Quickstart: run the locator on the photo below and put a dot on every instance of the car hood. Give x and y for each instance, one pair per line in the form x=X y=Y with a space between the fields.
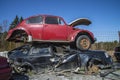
x=80 y=21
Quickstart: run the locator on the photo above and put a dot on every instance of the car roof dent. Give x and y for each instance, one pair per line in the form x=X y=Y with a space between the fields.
x=80 y=21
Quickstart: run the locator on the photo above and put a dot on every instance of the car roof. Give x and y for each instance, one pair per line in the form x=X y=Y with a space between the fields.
x=42 y=15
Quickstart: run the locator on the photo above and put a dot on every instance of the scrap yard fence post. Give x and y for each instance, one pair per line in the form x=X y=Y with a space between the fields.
x=119 y=36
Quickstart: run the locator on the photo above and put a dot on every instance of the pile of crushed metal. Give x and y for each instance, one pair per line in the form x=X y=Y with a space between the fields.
x=34 y=62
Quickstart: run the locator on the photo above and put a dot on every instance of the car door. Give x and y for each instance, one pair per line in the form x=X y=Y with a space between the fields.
x=35 y=27
x=39 y=56
x=54 y=29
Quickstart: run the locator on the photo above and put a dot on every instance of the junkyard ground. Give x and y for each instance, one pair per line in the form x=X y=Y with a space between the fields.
x=68 y=76
x=45 y=74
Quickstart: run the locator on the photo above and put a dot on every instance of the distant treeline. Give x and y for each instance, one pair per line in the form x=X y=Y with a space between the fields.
x=108 y=46
x=4 y=27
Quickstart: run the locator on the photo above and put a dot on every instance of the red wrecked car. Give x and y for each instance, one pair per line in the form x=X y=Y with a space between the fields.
x=5 y=70
x=48 y=28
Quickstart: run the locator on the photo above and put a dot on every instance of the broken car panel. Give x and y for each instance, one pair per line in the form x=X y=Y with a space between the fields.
x=88 y=59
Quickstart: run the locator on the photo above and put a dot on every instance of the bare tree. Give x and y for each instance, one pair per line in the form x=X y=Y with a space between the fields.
x=5 y=25
x=3 y=33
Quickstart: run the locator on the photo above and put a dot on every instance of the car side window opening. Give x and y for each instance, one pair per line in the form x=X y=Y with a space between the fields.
x=60 y=21
x=53 y=20
x=37 y=19
x=44 y=51
x=38 y=51
x=34 y=51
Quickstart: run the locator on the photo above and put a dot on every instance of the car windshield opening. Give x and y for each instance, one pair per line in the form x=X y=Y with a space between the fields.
x=37 y=19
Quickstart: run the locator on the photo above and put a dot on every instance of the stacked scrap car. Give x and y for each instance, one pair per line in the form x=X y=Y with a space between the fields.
x=28 y=57
x=32 y=57
x=50 y=32
x=52 y=29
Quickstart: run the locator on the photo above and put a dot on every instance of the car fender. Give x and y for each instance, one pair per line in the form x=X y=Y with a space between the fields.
x=72 y=37
x=10 y=33
x=86 y=59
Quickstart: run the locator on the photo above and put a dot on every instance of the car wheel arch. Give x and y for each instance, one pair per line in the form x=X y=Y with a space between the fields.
x=83 y=33
x=18 y=32
x=83 y=41
x=76 y=35
x=27 y=64
x=21 y=30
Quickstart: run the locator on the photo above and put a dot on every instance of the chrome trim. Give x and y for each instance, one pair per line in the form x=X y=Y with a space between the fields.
x=29 y=38
x=52 y=41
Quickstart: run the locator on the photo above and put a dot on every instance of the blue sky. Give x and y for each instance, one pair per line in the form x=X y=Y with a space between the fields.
x=104 y=14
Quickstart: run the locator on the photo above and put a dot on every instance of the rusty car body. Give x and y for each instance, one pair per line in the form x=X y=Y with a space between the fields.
x=53 y=29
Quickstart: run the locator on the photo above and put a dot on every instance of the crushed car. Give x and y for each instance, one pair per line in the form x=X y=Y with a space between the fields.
x=52 y=29
x=32 y=57
x=92 y=61
x=27 y=58
x=5 y=69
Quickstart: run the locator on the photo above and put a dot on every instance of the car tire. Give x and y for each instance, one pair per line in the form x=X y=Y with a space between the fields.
x=83 y=43
x=24 y=39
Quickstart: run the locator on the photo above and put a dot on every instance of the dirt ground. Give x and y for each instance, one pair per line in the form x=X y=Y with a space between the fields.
x=68 y=76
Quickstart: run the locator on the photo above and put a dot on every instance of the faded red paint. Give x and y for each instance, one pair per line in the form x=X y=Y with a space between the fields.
x=52 y=32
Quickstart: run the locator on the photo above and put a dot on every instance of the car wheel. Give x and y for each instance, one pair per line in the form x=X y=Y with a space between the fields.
x=24 y=39
x=83 y=42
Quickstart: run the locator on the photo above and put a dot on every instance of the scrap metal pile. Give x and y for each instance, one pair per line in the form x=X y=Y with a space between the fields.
x=55 y=46
x=34 y=57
